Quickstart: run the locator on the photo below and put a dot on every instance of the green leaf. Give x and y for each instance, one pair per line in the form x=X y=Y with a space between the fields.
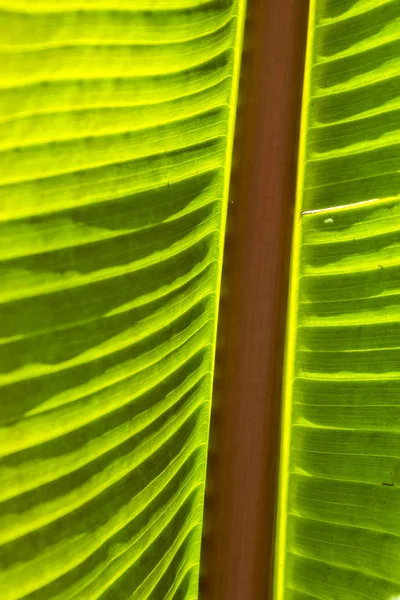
x=339 y=517
x=116 y=129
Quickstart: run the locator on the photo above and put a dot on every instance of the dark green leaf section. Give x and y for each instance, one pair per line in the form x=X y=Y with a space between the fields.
x=115 y=139
x=342 y=507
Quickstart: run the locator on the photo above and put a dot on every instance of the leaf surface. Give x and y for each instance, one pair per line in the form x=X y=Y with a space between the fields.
x=116 y=128
x=339 y=522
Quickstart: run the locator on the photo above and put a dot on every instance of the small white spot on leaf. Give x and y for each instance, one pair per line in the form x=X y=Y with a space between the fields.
x=328 y=221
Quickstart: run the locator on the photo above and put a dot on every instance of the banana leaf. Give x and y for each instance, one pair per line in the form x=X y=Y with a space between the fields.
x=116 y=129
x=339 y=506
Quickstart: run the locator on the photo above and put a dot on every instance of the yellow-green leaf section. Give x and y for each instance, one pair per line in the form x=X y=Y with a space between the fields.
x=339 y=505
x=116 y=129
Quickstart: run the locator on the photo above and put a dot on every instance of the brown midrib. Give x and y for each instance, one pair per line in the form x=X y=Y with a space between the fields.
x=238 y=543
